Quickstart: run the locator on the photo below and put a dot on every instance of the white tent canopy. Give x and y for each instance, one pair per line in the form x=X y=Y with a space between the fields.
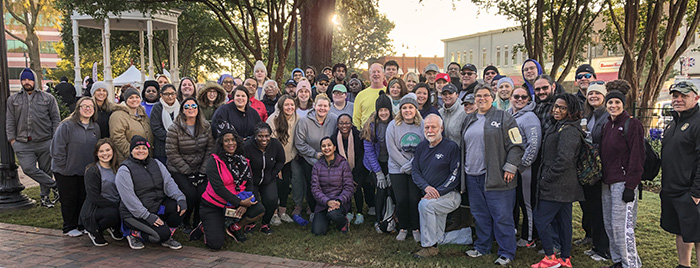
x=130 y=76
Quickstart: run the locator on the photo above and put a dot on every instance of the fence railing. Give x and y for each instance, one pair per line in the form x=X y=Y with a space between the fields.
x=654 y=119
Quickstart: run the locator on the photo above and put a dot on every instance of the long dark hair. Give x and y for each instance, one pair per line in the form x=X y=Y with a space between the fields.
x=199 y=121
x=281 y=124
x=219 y=147
x=112 y=162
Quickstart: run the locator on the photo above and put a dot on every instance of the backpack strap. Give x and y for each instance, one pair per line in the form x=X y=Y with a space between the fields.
x=625 y=128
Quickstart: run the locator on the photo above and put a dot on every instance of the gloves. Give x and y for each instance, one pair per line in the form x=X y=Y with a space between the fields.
x=197 y=178
x=628 y=195
x=381 y=180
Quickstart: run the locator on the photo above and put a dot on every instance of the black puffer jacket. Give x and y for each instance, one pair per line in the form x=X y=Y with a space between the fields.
x=557 y=179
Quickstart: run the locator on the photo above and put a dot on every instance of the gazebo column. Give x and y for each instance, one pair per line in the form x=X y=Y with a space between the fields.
x=76 y=56
x=107 y=59
x=174 y=64
x=149 y=26
x=143 y=57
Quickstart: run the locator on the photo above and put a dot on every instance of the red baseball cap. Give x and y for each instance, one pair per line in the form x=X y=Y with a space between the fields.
x=443 y=76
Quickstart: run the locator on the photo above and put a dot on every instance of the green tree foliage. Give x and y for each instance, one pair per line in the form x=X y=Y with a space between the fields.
x=362 y=33
x=201 y=43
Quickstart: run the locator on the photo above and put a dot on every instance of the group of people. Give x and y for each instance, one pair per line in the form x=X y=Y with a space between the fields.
x=446 y=148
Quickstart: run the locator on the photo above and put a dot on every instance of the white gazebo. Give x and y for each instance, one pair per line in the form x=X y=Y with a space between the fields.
x=129 y=21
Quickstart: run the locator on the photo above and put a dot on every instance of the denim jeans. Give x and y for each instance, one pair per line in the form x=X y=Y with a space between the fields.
x=493 y=213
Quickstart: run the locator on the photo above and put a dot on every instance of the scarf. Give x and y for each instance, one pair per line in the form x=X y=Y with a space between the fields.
x=169 y=113
x=351 y=149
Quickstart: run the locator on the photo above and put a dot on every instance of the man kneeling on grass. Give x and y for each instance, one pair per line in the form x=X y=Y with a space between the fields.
x=435 y=169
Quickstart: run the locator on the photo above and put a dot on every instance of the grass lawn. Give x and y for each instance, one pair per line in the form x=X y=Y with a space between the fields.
x=364 y=247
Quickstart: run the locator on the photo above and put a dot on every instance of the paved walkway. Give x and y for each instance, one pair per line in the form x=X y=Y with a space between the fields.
x=25 y=246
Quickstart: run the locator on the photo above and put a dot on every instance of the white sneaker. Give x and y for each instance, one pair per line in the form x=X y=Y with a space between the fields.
x=349 y=216
x=473 y=253
x=371 y=211
x=376 y=227
x=286 y=218
x=74 y=233
x=402 y=235
x=503 y=261
x=416 y=235
x=276 y=221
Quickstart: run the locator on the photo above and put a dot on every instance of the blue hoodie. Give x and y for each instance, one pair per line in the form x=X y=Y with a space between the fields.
x=298 y=70
x=539 y=72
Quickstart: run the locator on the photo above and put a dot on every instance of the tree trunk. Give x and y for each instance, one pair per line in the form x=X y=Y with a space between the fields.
x=316 y=33
x=34 y=55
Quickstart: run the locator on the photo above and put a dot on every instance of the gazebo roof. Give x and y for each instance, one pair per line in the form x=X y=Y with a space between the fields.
x=131 y=20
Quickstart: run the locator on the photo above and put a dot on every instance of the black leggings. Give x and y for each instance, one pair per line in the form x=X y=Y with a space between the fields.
x=213 y=222
x=283 y=189
x=592 y=217
x=157 y=234
x=72 y=195
x=107 y=217
x=267 y=195
x=308 y=168
x=407 y=197
x=193 y=194
x=321 y=220
x=364 y=187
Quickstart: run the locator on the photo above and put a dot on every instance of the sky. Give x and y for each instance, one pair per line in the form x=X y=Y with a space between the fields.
x=421 y=26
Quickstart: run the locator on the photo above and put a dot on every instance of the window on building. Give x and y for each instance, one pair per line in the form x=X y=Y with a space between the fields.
x=506 y=55
x=459 y=57
x=452 y=56
x=47 y=47
x=498 y=56
x=515 y=55
x=483 y=57
x=464 y=55
x=16 y=46
x=471 y=56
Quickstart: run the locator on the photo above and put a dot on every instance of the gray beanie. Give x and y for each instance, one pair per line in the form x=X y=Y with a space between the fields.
x=410 y=98
x=96 y=85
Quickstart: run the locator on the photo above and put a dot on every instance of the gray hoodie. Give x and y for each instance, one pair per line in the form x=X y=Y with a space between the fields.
x=529 y=124
x=401 y=143
x=31 y=117
x=309 y=132
x=452 y=120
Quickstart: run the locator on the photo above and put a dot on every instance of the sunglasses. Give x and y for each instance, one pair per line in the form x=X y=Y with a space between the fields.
x=597 y=83
x=490 y=73
x=541 y=88
x=189 y=106
x=468 y=73
x=587 y=76
x=520 y=97
x=324 y=84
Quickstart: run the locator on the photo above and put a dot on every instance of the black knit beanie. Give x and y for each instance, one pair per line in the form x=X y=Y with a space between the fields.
x=615 y=94
x=383 y=101
x=137 y=140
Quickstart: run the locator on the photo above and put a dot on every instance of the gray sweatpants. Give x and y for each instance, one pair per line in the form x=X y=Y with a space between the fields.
x=620 y=218
x=298 y=183
x=29 y=154
x=433 y=214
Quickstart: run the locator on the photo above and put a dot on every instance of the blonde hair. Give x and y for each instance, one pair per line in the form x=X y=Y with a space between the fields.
x=322 y=96
x=416 y=121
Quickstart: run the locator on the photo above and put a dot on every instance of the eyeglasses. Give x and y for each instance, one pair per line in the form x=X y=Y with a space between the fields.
x=228 y=82
x=521 y=97
x=167 y=94
x=587 y=76
x=85 y=106
x=482 y=96
x=468 y=73
x=338 y=93
x=541 y=88
x=189 y=106
x=490 y=73
x=560 y=108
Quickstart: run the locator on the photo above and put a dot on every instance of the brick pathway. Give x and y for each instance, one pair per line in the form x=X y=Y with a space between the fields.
x=25 y=246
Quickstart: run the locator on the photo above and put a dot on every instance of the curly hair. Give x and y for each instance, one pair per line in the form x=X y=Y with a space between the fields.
x=574 y=111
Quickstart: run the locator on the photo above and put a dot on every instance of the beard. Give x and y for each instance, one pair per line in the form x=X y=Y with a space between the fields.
x=28 y=87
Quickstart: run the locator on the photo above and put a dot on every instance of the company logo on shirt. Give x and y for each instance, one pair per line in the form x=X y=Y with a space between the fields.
x=439 y=156
x=685 y=126
x=409 y=142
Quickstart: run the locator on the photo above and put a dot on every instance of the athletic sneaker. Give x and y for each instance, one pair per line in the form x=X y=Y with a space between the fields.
x=584 y=241
x=371 y=211
x=186 y=229
x=172 y=244
x=522 y=243
x=402 y=235
x=503 y=261
x=237 y=235
x=547 y=262
x=599 y=257
x=473 y=253
x=197 y=232
x=74 y=233
x=565 y=263
x=376 y=228
x=311 y=217
x=250 y=228
x=556 y=251
x=265 y=229
x=97 y=239
x=276 y=221
x=345 y=228
x=56 y=195
x=349 y=216
x=46 y=202
x=285 y=218
x=299 y=220
x=134 y=242
x=589 y=252
x=359 y=219
x=116 y=234
x=416 y=235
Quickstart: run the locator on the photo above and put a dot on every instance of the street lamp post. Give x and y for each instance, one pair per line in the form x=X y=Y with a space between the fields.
x=11 y=196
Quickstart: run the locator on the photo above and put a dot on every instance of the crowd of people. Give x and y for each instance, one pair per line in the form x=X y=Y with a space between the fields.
x=423 y=155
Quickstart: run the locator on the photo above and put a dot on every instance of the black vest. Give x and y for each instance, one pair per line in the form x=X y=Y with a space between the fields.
x=148 y=185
